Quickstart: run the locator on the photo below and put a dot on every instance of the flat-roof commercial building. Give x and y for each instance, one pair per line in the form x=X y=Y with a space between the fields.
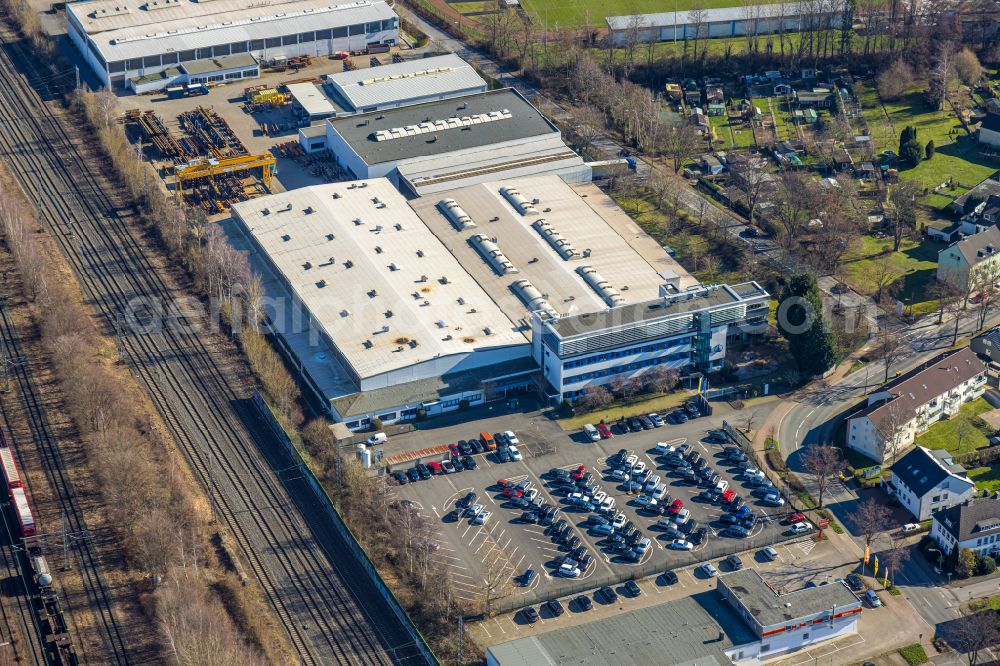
x=682 y=328
x=404 y=83
x=442 y=145
x=367 y=299
x=726 y=22
x=692 y=630
x=789 y=621
x=122 y=39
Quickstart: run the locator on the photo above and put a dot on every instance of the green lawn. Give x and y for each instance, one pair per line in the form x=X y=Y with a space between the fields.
x=992 y=603
x=945 y=434
x=915 y=263
x=469 y=7
x=577 y=13
x=617 y=410
x=726 y=135
x=986 y=478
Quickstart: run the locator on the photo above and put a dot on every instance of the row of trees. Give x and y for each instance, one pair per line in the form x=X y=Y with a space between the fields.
x=146 y=494
x=657 y=379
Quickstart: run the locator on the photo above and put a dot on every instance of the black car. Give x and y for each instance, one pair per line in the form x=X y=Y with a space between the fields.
x=678 y=417
x=573 y=542
x=469 y=462
x=716 y=437
x=737 y=531
x=729 y=519
x=609 y=595
x=584 y=602
x=596 y=519
x=634 y=424
x=731 y=451
x=468 y=500
x=692 y=409
x=558 y=473
x=673 y=460
x=734 y=562
x=529 y=517
x=706 y=495
x=620 y=548
x=477 y=446
x=530 y=615
x=646 y=422
x=504 y=455
x=693 y=457
x=620 y=428
x=555 y=607
x=691 y=525
x=557 y=526
x=585 y=561
x=855 y=583
x=714 y=479
x=669 y=577
x=413 y=473
x=464 y=447
x=578 y=553
x=617 y=458
x=672 y=532
x=424 y=470
x=401 y=478
x=612 y=539
x=698 y=536
x=632 y=588
x=736 y=503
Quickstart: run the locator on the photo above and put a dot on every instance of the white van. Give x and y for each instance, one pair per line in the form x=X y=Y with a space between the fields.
x=722 y=486
x=377 y=438
x=591 y=433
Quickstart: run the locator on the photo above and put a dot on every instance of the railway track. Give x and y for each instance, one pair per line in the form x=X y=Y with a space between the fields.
x=323 y=597
x=99 y=598
x=17 y=616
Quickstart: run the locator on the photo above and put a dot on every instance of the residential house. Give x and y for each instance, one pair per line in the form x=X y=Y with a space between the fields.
x=977 y=194
x=714 y=95
x=972 y=261
x=926 y=482
x=673 y=91
x=987 y=344
x=973 y=524
x=712 y=165
x=990 y=210
x=897 y=413
x=989 y=130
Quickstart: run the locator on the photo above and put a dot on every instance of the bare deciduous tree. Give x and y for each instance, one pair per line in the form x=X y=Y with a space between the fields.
x=870 y=519
x=889 y=347
x=823 y=463
x=976 y=633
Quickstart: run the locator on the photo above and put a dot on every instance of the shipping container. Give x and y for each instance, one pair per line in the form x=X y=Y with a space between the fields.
x=10 y=473
x=23 y=512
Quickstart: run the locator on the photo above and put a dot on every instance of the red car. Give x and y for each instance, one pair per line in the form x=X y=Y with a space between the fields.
x=794 y=518
x=435 y=467
x=453 y=447
x=604 y=431
x=675 y=506
x=511 y=491
x=728 y=496
x=579 y=472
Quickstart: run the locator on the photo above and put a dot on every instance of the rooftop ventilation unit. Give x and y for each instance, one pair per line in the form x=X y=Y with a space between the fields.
x=600 y=285
x=492 y=254
x=432 y=126
x=153 y=5
x=555 y=239
x=533 y=298
x=406 y=75
x=518 y=201
x=456 y=214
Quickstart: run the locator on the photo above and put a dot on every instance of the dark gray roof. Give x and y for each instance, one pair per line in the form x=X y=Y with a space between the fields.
x=770 y=608
x=982 y=191
x=972 y=519
x=921 y=470
x=525 y=121
x=684 y=631
x=991 y=122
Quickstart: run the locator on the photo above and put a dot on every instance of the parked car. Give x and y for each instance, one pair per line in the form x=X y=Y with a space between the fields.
x=504 y=455
x=872 y=599
x=707 y=569
x=567 y=570
x=435 y=468
x=414 y=474
x=555 y=607
x=482 y=517
x=646 y=422
x=578 y=472
x=698 y=536
x=530 y=614
x=646 y=502
x=793 y=518
x=604 y=431
x=609 y=595
x=675 y=507
x=801 y=528
x=651 y=483
x=468 y=500
x=401 y=477
x=591 y=433
x=734 y=562
x=681 y=544
x=632 y=588
x=854 y=582
x=656 y=419
x=669 y=577
x=515 y=454
x=737 y=531
x=620 y=475
x=716 y=437
x=528 y=576
x=509 y=437
x=584 y=602
x=678 y=416
x=769 y=553
x=773 y=499
x=473 y=510
x=634 y=424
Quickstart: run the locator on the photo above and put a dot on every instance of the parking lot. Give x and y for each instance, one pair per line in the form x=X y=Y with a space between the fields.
x=491 y=559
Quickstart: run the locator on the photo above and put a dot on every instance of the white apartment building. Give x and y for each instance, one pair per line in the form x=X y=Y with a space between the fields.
x=896 y=414
x=973 y=524
x=926 y=482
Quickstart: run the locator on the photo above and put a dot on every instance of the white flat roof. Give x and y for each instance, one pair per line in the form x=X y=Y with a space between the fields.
x=583 y=215
x=724 y=15
x=134 y=28
x=311 y=99
x=440 y=76
x=373 y=276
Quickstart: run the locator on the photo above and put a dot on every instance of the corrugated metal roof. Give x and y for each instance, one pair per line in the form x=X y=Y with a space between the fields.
x=725 y=14
x=220 y=64
x=398 y=82
x=189 y=25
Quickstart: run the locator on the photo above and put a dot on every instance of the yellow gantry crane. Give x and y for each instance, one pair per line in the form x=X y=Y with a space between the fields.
x=211 y=167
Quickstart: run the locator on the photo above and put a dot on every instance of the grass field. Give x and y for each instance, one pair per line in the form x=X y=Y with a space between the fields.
x=986 y=478
x=577 y=13
x=916 y=264
x=470 y=7
x=945 y=434
x=611 y=413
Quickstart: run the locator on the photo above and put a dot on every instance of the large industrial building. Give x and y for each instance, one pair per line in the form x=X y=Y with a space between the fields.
x=442 y=145
x=390 y=308
x=748 y=19
x=125 y=39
